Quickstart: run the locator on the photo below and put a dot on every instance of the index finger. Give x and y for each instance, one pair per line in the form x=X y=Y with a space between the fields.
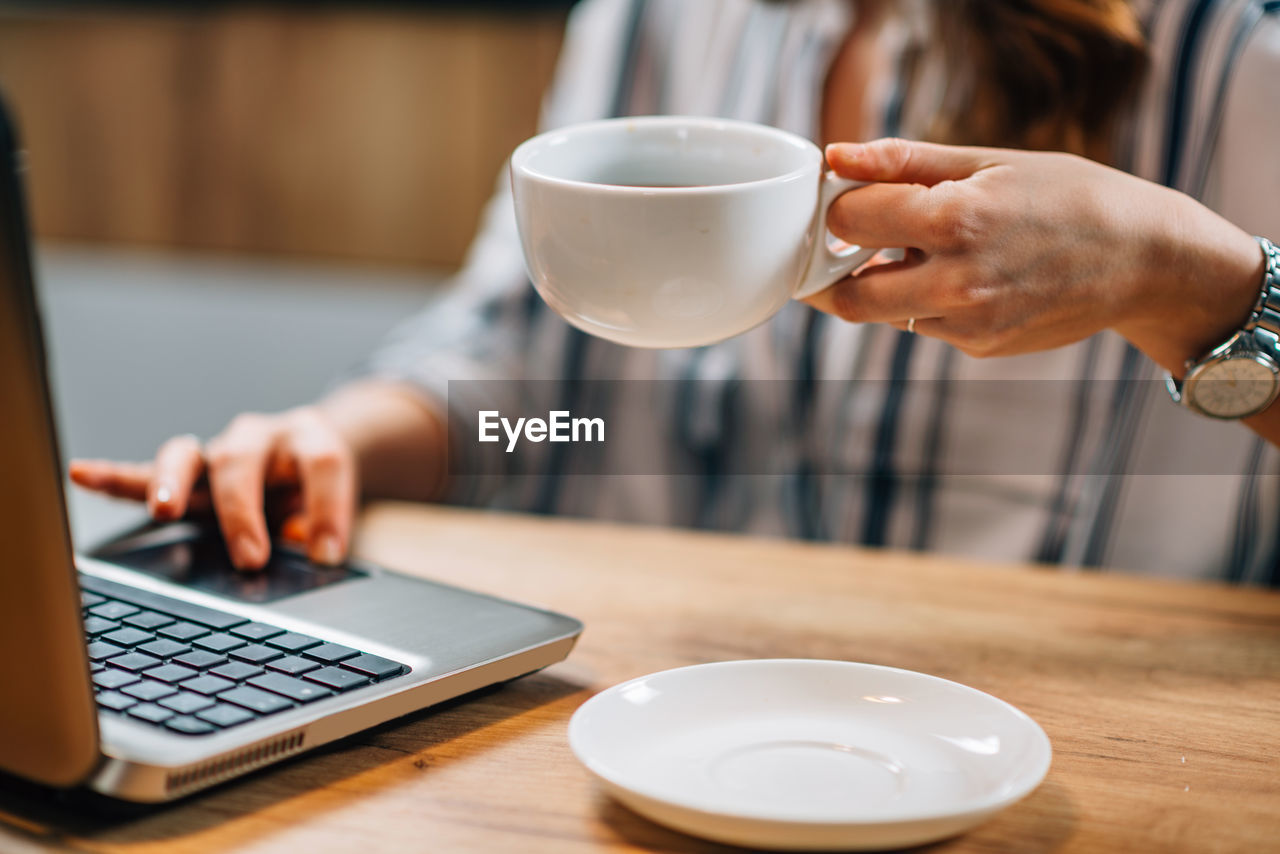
x=119 y=480
x=902 y=161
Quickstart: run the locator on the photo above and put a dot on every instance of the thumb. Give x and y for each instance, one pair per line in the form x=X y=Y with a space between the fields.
x=901 y=161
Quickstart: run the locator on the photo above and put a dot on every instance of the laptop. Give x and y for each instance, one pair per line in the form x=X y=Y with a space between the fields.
x=152 y=669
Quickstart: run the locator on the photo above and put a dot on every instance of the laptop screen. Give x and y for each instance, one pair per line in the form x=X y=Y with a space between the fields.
x=48 y=723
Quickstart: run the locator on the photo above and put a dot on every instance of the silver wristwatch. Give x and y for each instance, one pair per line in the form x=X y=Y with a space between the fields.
x=1241 y=376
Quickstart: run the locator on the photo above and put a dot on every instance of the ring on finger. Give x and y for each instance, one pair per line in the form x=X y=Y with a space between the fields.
x=911 y=325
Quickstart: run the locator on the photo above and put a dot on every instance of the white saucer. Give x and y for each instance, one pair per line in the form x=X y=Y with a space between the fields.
x=809 y=755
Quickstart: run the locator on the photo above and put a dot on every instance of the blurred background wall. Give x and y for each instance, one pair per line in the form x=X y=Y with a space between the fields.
x=357 y=130
x=234 y=202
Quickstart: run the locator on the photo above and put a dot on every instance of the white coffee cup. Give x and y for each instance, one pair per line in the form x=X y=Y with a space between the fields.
x=675 y=231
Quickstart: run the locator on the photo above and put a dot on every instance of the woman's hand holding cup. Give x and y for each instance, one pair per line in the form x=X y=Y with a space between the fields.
x=1014 y=251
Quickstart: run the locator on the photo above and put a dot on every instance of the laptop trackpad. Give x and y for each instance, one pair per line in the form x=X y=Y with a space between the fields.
x=195 y=556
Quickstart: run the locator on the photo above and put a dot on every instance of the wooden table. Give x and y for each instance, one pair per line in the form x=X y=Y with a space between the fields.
x=1162 y=699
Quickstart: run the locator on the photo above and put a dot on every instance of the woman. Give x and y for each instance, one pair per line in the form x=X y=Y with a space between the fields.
x=1082 y=278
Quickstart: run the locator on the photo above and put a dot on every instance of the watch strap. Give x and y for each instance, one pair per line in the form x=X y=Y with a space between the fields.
x=1264 y=321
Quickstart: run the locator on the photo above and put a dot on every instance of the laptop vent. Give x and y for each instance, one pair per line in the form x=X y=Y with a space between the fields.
x=208 y=773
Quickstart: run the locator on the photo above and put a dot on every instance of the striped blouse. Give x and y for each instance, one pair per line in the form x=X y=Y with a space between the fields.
x=811 y=427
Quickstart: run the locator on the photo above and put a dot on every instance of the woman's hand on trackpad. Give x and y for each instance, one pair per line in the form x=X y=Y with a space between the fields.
x=294 y=464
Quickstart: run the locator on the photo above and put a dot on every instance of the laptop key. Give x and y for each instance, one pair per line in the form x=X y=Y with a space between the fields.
x=188 y=725
x=294 y=689
x=171 y=673
x=330 y=652
x=293 y=665
x=96 y=666
x=373 y=666
x=99 y=650
x=337 y=678
x=256 y=700
x=255 y=653
x=148 y=620
x=111 y=679
x=150 y=690
x=133 y=661
x=237 y=670
x=99 y=625
x=182 y=631
x=224 y=715
x=220 y=642
x=293 y=641
x=164 y=648
x=150 y=712
x=115 y=701
x=128 y=637
x=200 y=659
x=256 y=631
x=207 y=684
x=156 y=602
x=113 y=610
x=88 y=600
x=186 y=702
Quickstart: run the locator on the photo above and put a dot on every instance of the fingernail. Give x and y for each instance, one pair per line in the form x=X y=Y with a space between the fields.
x=327 y=550
x=847 y=153
x=164 y=494
x=161 y=503
x=244 y=552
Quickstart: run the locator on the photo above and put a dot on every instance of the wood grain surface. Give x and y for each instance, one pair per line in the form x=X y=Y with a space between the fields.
x=1162 y=699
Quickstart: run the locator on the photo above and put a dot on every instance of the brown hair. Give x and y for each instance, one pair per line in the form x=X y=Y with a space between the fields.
x=1037 y=74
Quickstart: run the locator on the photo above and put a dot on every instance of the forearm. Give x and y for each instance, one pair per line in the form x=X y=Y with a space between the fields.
x=400 y=441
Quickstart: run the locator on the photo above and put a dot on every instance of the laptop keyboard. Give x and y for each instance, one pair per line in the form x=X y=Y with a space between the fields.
x=195 y=670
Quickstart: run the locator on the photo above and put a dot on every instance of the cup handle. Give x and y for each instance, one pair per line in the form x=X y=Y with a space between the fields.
x=827 y=267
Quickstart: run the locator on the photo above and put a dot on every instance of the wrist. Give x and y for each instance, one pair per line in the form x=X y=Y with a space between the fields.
x=1200 y=279
x=399 y=442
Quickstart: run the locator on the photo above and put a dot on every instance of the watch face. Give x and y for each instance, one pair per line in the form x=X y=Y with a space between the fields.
x=1234 y=387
